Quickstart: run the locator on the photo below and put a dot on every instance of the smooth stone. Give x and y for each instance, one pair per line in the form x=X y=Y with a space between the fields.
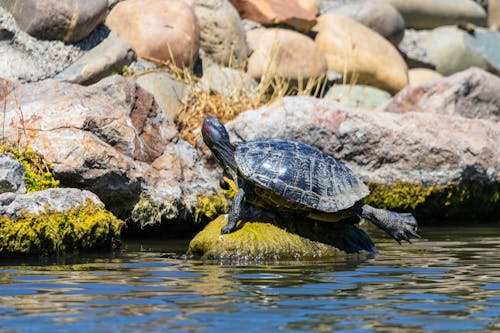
x=494 y=14
x=110 y=56
x=222 y=35
x=429 y=14
x=166 y=89
x=378 y=15
x=284 y=53
x=472 y=93
x=353 y=49
x=418 y=76
x=226 y=81
x=358 y=96
x=159 y=30
x=11 y=175
x=64 y=20
x=274 y=12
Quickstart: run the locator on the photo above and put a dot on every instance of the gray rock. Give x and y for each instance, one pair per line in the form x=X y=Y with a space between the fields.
x=222 y=36
x=167 y=91
x=25 y=59
x=472 y=93
x=109 y=56
x=383 y=147
x=54 y=199
x=378 y=15
x=11 y=175
x=64 y=20
x=450 y=49
x=358 y=96
x=226 y=81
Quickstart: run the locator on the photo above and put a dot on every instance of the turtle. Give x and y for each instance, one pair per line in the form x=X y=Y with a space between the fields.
x=290 y=176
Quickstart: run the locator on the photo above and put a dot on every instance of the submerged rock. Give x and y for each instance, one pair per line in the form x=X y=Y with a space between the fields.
x=267 y=241
x=56 y=221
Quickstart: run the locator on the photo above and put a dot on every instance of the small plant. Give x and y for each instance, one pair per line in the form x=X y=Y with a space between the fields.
x=38 y=172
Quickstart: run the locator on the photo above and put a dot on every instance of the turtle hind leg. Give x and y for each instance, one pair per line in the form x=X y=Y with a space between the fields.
x=400 y=226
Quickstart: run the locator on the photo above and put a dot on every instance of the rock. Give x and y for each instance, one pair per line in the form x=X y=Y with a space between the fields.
x=452 y=50
x=352 y=48
x=417 y=76
x=159 y=30
x=266 y=241
x=378 y=15
x=55 y=221
x=284 y=53
x=68 y=21
x=226 y=81
x=494 y=14
x=472 y=93
x=25 y=59
x=438 y=166
x=429 y=14
x=312 y=6
x=167 y=91
x=358 y=96
x=112 y=139
x=109 y=56
x=222 y=34
x=273 y=12
x=11 y=175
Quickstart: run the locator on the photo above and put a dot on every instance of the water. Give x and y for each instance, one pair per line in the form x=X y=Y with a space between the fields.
x=448 y=281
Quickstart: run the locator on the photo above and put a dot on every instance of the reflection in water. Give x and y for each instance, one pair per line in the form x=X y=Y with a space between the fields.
x=449 y=281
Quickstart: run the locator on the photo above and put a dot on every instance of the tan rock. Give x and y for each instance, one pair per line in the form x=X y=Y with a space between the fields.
x=271 y=12
x=312 y=6
x=159 y=31
x=284 y=53
x=428 y=14
x=364 y=55
x=494 y=14
x=417 y=76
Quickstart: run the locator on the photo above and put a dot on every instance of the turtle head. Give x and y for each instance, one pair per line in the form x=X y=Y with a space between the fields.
x=216 y=138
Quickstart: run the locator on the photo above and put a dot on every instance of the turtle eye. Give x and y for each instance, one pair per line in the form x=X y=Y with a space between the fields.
x=223 y=184
x=206 y=129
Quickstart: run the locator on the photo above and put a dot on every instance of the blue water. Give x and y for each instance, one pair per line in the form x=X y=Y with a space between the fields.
x=449 y=281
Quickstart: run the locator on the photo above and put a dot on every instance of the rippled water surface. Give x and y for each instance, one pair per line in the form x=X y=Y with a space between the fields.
x=447 y=281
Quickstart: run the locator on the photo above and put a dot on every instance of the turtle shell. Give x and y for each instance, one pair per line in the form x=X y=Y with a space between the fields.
x=300 y=174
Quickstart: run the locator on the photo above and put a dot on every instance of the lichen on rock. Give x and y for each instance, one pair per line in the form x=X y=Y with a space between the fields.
x=82 y=228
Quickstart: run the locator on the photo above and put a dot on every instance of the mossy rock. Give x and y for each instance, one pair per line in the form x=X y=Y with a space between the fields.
x=256 y=241
x=464 y=201
x=83 y=228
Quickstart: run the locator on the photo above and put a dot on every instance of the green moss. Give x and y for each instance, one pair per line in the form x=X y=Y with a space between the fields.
x=255 y=241
x=148 y=212
x=457 y=200
x=38 y=175
x=209 y=207
x=79 y=229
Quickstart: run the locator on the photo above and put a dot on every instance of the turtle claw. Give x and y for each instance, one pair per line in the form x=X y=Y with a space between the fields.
x=226 y=229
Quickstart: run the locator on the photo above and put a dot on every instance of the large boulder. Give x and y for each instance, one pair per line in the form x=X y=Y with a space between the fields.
x=312 y=6
x=428 y=14
x=11 y=175
x=68 y=20
x=222 y=34
x=159 y=30
x=436 y=165
x=378 y=15
x=451 y=49
x=353 y=49
x=111 y=138
x=473 y=93
x=26 y=59
x=56 y=221
x=284 y=53
x=273 y=12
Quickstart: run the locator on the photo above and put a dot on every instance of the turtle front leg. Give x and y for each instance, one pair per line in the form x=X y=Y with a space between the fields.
x=235 y=212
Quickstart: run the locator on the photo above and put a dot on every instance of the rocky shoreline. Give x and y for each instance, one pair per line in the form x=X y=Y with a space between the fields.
x=406 y=94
